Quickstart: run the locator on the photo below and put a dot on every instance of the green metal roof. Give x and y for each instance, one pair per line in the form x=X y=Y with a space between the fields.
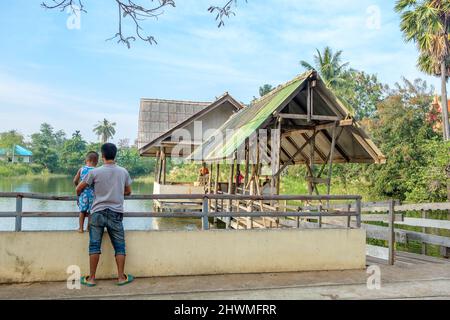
x=353 y=145
x=241 y=125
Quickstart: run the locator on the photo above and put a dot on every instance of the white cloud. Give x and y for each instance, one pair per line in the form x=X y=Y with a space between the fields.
x=25 y=105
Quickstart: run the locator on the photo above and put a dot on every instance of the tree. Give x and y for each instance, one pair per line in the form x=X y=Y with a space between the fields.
x=265 y=89
x=427 y=23
x=129 y=157
x=73 y=153
x=329 y=66
x=137 y=13
x=415 y=169
x=11 y=138
x=45 y=146
x=361 y=92
x=105 y=130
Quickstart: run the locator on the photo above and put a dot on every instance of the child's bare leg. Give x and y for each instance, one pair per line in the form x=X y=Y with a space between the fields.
x=81 y=222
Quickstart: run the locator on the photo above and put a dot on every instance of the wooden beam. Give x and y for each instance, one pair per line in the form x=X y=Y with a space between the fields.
x=295 y=116
x=299 y=150
x=316 y=149
x=338 y=147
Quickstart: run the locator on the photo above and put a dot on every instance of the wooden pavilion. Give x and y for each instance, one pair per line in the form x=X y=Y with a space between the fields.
x=299 y=122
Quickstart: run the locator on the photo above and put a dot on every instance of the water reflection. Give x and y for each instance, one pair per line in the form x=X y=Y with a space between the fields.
x=64 y=186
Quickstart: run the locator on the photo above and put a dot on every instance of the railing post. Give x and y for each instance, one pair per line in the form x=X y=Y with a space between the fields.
x=320 y=215
x=349 y=218
x=391 y=235
x=19 y=207
x=358 y=212
x=205 y=222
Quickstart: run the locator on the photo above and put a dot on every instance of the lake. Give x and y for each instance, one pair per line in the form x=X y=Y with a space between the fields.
x=64 y=186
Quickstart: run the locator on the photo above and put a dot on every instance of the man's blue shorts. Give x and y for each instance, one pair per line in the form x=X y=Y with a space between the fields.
x=112 y=221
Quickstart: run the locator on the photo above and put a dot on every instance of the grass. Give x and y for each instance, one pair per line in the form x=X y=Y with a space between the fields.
x=144 y=179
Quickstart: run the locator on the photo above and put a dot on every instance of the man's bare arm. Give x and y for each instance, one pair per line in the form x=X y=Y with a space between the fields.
x=127 y=191
x=76 y=179
x=81 y=186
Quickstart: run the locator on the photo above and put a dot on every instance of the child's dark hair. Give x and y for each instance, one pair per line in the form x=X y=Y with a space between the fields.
x=92 y=156
x=109 y=151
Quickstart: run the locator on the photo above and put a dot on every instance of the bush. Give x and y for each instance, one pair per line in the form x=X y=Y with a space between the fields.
x=8 y=169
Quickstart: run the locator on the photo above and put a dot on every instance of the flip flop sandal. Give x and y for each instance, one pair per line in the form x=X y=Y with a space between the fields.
x=130 y=279
x=84 y=282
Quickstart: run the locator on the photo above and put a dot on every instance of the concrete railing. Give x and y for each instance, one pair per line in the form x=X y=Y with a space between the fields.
x=205 y=214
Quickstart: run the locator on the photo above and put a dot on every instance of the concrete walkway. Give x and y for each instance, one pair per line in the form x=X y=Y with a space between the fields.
x=405 y=280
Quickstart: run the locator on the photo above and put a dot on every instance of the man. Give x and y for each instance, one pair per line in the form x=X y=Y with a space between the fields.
x=111 y=183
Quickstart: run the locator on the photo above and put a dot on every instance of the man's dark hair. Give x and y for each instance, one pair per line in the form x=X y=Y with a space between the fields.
x=109 y=151
x=92 y=156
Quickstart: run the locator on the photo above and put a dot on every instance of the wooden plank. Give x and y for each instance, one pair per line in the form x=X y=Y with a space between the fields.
x=377 y=252
x=426 y=223
x=380 y=217
x=424 y=206
x=381 y=233
x=428 y=238
x=295 y=116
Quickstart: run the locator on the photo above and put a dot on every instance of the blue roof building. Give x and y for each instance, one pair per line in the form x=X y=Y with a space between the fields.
x=17 y=154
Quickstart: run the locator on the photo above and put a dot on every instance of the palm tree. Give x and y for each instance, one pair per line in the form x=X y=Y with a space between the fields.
x=427 y=23
x=105 y=130
x=329 y=66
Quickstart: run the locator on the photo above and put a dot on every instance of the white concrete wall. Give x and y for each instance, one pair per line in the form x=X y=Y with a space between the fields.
x=45 y=256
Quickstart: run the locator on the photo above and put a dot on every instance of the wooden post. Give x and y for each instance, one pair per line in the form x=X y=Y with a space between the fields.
x=349 y=218
x=309 y=102
x=424 y=230
x=164 y=165
x=330 y=168
x=216 y=185
x=19 y=207
x=205 y=222
x=391 y=235
x=157 y=166
x=275 y=158
x=230 y=191
x=320 y=216
x=358 y=213
x=312 y=145
x=247 y=164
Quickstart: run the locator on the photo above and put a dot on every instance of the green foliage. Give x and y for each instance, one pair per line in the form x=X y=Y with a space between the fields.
x=416 y=155
x=361 y=92
x=8 y=169
x=186 y=172
x=329 y=66
x=54 y=153
x=358 y=91
x=11 y=138
x=105 y=130
x=128 y=157
x=265 y=89
x=73 y=153
x=45 y=145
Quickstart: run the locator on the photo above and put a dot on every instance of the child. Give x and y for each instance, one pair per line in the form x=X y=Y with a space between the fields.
x=86 y=198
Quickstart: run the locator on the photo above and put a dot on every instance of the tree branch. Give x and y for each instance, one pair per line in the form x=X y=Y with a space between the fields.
x=137 y=13
x=224 y=11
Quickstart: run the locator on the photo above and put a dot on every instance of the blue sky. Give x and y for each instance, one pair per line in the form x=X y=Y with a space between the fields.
x=72 y=78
